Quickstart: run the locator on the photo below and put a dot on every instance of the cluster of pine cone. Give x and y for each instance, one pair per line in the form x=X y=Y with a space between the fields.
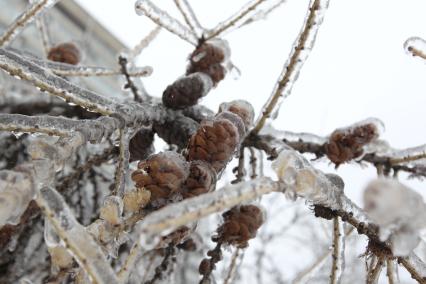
x=205 y=71
x=66 y=53
x=347 y=143
x=171 y=177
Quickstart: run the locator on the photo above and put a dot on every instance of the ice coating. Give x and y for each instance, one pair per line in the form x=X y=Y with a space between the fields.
x=307 y=182
x=75 y=237
x=409 y=155
x=16 y=191
x=163 y=19
x=292 y=136
x=375 y=122
x=398 y=211
x=416 y=46
x=241 y=108
x=190 y=17
x=235 y=120
x=112 y=210
x=32 y=11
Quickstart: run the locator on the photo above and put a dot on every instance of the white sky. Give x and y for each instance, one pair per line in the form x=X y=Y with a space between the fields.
x=357 y=69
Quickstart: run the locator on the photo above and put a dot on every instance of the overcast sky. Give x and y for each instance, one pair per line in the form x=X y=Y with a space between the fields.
x=358 y=68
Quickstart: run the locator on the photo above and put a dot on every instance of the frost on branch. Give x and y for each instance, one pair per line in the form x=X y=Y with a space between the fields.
x=17 y=189
x=399 y=211
x=305 y=181
x=348 y=143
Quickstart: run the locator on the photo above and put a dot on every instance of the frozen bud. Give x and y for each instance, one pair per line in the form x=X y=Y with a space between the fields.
x=241 y=108
x=163 y=175
x=136 y=199
x=209 y=58
x=16 y=192
x=112 y=210
x=201 y=179
x=215 y=143
x=240 y=225
x=398 y=211
x=66 y=53
x=348 y=143
x=60 y=257
x=186 y=91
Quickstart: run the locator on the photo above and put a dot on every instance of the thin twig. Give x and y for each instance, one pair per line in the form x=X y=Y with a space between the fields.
x=129 y=85
x=338 y=255
x=298 y=56
x=232 y=267
x=123 y=163
x=374 y=274
x=144 y=43
x=189 y=16
x=390 y=271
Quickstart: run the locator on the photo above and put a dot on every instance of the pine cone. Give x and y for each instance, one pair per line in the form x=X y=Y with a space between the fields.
x=240 y=225
x=163 y=175
x=201 y=179
x=186 y=91
x=347 y=143
x=208 y=58
x=140 y=145
x=241 y=108
x=215 y=143
x=65 y=53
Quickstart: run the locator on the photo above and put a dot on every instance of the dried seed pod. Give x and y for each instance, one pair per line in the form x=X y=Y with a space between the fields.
x=163 y=175
x=215 y=142
x=209 y=58
x=241 y=108
x=240 y=225
x=66 y=53
x=347 y=143
x=140 y=145
x=136 y=199
x=186 y=91
x=205 y=268
x=112 y=210
x=176 y=131
x=201 y=179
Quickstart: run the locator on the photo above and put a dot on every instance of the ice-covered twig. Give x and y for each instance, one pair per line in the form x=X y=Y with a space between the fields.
x=338 y=255
x=374 y=274
x=122 y=60
x=264 y=12
x=415 y=266
x=92 y=130
x=144 y=43
x=232 y=267
x=416 y=46
x=31 y=12
x=163 y=19
x=189 y=16
x=42 y=78
x=299 y=54
x=175 y=215
x=250 y=7
x=75 y=237
x=406 y=155
x=87 y=71
x=390 y=271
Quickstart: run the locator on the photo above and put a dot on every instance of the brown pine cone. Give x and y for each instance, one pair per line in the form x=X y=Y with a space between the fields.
x=347 y=143
x=241 y=108
x=208 y=58
x=186 y=91
x=215 y=142
x=201 y=179
x=65 y=53
x=240 y=225
x=140 y=145
x=163 y=175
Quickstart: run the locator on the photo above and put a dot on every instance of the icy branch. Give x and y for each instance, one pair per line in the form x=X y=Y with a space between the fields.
x=415 y=266
x=32 y=11
x=80 y=243
x=92 y=130
x=262 y=14
x=163 y=19
x=123 y=163
x=374 y=274
x=189 y=210
x=87 y=71
x=338 y=255
x=416 y=46
x=190 y=18
x=144 y=42
x=390 y=271
x=250 y=7
x=299 y=54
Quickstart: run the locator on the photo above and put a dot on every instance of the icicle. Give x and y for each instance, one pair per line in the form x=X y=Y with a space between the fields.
x=398 y=211
x=299 y=53
x=163 y=19
x=16 y=191
x=416 y=46
x=32 y=11
x=75 y=237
